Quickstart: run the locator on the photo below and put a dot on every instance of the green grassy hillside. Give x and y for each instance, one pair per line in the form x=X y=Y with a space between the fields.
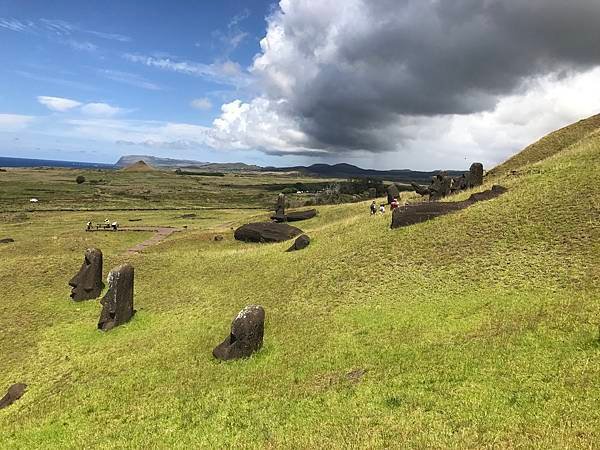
x=479 y=329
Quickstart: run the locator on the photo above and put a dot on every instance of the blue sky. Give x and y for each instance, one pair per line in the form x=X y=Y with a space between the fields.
x=118 y=54
x=418 y=84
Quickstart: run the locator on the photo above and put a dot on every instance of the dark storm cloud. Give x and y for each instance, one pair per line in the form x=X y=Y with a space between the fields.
x=372 y=64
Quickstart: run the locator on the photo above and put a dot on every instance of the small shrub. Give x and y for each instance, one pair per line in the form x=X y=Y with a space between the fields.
x=80 y=179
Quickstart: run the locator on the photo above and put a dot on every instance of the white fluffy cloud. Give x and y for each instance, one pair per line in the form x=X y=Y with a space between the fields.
x=58 y=103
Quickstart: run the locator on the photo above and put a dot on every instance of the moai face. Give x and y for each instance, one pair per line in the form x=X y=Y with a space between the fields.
x=117 y=304
x=87 y=284
x=246 y=337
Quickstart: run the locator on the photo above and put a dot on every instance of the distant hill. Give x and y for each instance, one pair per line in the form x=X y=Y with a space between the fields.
x=349 y=171
x=169 y=163
x=139 y=166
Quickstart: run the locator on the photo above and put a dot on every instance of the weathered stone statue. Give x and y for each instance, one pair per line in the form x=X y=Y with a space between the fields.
x=87 y=284
x=14 y=393
x=392 y=193
x=280 y=208
x=117 y=304
x=246 y=336
x=476 y=174
x=443 y=185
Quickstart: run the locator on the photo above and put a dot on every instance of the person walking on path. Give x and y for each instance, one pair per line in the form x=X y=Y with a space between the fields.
x=373 y=208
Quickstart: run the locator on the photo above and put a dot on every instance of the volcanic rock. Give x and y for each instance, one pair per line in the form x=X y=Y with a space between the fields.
x=280 y=209
x=15 y=392
x=117 y=304
x=218 y=238
x=87 y=284
x=266 y=232
x=296 y=216
x=300 y=243
x=246 y=337
x=6 y=240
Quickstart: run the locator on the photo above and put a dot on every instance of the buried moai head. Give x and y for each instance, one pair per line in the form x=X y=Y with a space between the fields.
x=117 y=304
x=87 y=284
x=476 y=174
x=246 y=337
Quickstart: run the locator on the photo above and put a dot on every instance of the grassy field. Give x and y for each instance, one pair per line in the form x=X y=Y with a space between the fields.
x=479 y=329
x=56 y=189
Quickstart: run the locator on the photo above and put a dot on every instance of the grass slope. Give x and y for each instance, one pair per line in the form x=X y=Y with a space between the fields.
x=477 y=329
x=549 y=145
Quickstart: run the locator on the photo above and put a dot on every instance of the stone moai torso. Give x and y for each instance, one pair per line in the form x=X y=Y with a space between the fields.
x=280 y=207
x=392 y=193
x=87 y=284
x=476 y=174
x=117 y=304
x=246 y=337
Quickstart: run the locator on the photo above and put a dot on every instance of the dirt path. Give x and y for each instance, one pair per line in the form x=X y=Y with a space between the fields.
x=160 y=234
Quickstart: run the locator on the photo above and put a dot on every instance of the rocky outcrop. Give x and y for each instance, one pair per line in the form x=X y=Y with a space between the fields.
x=117 y=304
x=443 y=185
x=266 y=232
x=246 y=337
x=87 y=283
x=300 y=243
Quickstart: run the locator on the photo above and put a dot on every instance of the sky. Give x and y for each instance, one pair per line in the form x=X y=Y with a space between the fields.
x=387 y=84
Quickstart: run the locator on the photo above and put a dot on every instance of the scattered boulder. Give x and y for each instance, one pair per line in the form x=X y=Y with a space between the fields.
x=135 y=220
x=14 y=393
x=6 y=240
x=87 y=283
x=266 y=232
x=300 y=243
x=117 y=304
x=392 y=193
x=218 y=238
x=188 y=216
x=296 y=216
x=246 y=337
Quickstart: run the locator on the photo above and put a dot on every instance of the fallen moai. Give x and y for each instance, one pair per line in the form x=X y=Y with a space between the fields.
x=443 y=185
x=295 y=216
x=14 y=393
x=422 y=212
x=117 y=304
x=87 y=283
x=246 y=337
x=300 y=243
x=266 y=232
x=6 y=240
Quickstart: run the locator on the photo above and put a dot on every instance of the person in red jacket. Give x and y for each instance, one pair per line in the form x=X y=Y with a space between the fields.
x=394 y=204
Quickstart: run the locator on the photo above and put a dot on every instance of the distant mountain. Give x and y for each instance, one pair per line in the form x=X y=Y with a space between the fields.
x=169 y=163
x=349 y=171
x=154 y=161
x=139 y=166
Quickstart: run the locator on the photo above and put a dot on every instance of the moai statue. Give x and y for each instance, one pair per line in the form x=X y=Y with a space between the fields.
x=476 y=175
x=246 y=337
x=117 y=304
x=14 y=393
x=87 y=284
x=280 y=208
x=392 y=193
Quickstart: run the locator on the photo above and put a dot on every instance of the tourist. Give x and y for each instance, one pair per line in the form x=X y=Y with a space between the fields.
x=394 y=204
x=382 y=208
x=114 y=226
x=89 y=226
x=373 y=208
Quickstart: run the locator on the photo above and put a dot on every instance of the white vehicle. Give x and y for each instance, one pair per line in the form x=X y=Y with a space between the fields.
x=33 y=200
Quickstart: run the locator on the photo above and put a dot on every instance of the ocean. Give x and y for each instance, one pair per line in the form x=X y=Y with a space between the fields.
x=26 y=162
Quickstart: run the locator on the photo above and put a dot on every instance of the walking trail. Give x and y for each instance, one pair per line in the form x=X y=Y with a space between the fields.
x=160 y=234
